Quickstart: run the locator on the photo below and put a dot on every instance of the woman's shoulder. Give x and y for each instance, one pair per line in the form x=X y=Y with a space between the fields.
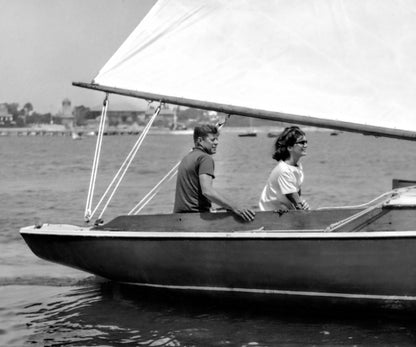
x=282 y=166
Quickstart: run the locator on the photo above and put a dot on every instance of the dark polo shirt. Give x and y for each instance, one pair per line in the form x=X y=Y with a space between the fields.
x=188 y=195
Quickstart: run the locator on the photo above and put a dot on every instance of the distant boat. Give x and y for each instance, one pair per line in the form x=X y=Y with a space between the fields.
x=248 y=134
x=178 y=128
x=251 y=132
x=75 y=135
x=273 y=134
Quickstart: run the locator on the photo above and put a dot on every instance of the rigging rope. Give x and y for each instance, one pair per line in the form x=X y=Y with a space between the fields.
x=384 y=199
x=149 y=196
x=370 y=203
x=126 y=164
x=88 y=214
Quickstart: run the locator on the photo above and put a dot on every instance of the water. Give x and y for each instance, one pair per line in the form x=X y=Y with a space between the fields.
x=45 y=179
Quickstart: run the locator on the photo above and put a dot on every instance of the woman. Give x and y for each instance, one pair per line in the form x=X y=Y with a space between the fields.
x=283 y=187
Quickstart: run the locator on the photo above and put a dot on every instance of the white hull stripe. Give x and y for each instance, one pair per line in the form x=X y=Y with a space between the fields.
x=278 y=292
x=54 y=230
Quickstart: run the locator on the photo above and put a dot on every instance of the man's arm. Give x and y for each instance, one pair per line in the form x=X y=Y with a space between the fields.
x=216 y=197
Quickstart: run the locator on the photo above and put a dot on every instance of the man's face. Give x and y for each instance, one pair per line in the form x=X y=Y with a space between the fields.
x=209 y=143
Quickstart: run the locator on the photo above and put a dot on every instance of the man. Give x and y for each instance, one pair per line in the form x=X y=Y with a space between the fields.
x=194 y=185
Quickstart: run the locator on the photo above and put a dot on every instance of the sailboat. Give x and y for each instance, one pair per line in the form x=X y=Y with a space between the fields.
x=75 y=135
x=343 y=65
x=273 y=133
x=251 y=132
x=177 y=128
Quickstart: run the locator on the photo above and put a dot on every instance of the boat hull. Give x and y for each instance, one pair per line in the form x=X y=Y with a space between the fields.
x=367 y=264
x=249 y=134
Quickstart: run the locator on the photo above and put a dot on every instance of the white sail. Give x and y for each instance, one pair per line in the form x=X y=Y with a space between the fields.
x=352 y=62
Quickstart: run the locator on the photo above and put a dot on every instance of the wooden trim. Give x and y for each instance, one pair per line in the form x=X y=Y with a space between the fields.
x=256 y=113
x=399 y=183
x=55 y=230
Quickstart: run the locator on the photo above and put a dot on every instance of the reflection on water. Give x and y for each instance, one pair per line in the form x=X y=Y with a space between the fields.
x=108 y=314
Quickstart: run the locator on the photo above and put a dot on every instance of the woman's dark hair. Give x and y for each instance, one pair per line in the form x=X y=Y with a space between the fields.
x=286 y=139
x=204 y=130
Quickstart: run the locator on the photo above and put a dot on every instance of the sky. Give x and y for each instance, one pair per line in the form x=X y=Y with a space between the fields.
x=48 y=44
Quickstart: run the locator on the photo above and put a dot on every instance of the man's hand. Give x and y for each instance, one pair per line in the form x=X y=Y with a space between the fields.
x=216 y=197
x=245 y=213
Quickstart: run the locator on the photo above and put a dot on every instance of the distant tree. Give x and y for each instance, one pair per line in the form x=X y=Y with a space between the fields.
x=13 y=109
x=37 y=118
x=81 y=114
x=190 y=113
x=31 y=119
x=28 y=107
x=46 y=118
x=20 y=121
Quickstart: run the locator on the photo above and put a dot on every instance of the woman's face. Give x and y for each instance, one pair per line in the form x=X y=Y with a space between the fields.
x=298 y=150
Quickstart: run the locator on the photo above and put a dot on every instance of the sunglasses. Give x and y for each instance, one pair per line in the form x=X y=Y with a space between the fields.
x=303 y=143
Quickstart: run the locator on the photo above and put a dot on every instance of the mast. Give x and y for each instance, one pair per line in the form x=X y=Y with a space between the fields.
x=175 y=118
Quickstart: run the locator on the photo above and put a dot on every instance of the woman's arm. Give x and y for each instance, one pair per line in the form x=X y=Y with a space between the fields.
x=299 y=204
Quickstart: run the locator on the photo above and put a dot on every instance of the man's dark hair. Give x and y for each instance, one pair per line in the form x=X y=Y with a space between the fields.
x=204 y=130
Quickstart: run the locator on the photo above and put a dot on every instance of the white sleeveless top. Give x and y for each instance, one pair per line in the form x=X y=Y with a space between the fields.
x=284 y=179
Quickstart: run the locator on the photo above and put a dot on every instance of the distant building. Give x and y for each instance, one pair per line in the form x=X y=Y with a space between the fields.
x=119 y=113
x=166 y=117
x=65 y=114
x=5 y=117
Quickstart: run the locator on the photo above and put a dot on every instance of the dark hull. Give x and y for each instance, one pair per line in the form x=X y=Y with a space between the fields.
x=265 y=257
x=384 y=267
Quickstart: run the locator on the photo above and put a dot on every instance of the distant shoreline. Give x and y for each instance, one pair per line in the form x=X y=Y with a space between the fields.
x=58 y=130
